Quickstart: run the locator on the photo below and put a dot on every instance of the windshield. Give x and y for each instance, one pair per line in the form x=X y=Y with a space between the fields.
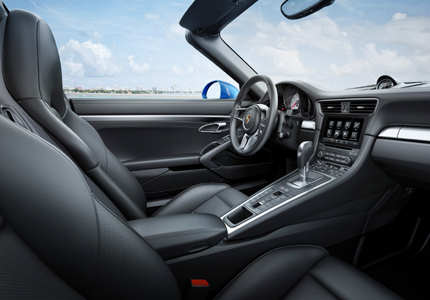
x=348 y=44
x=125 y=47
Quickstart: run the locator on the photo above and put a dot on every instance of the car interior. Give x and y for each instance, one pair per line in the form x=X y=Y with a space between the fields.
x=287 y=191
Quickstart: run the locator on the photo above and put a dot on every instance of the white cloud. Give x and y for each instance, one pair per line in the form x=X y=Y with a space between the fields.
x=346 y=4
x=177 y=70
x=176 y=30
x=277 y=49
x=150 y=16
x=283 y=60
x=73 y=69
x=92 y=35
x=319 y=49
x=399 y=16
x=375 y=62
x=137 y=67
x=87 y=59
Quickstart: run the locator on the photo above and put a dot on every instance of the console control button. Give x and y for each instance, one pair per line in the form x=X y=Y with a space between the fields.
x=336 y=133
x=339 y=124
x=354 y=135
x=331 y=124
x=345 y=134
x=347 y=160
x=320 y=154
x=347 y=125
x=356 y=125
x=329 y=132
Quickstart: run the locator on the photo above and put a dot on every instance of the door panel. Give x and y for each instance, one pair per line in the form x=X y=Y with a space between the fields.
x=162 y=141
x=143 y=140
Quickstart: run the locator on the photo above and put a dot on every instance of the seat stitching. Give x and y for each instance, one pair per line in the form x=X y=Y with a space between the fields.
x=97 y=262
x=267 y=253
x=316 y=279
x=38 y=57
x=301 y=278
x=186 y=190
x=209 y=199
x=123 y=222
x=176 y=235
x=52 y=147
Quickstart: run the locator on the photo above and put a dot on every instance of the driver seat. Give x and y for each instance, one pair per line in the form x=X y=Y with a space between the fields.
x=32 y=75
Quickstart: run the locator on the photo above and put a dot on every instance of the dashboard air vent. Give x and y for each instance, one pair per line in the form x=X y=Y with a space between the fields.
x=362 y=107
x=331 y=107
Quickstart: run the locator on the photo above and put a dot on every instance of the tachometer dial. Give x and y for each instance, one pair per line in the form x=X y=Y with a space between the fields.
x=292 y=99
x=385 y=84
x=295 y=103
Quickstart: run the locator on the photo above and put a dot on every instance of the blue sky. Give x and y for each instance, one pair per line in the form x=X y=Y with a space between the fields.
x=140 y=43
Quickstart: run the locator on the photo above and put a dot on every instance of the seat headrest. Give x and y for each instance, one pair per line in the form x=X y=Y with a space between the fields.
x=31 y=63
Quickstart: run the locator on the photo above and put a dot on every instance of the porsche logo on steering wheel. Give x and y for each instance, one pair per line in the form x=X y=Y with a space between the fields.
x=248 y=117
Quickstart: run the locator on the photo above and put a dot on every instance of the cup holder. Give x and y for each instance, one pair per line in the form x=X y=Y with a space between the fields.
x=238 y=216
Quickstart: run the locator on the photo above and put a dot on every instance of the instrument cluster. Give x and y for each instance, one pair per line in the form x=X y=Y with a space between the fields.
x=297 y=102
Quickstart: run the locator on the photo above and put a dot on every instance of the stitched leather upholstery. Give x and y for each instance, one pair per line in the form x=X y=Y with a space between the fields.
x=32 y=74
x=215 y=198
x=60 y=241
x=303 y=272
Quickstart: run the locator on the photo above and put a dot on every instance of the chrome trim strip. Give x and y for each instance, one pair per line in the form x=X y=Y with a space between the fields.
x=414 y=134
x=419 y=134
x=310 y=125
x=390 y=132
x=256 y=217
x=134 y=118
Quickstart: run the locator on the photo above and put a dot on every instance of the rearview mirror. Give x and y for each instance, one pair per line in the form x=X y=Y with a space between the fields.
x=297 y=9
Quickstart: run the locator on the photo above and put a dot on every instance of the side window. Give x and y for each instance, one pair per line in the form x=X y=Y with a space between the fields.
x=127 y=48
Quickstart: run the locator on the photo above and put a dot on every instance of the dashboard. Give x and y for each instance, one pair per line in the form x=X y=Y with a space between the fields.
x=346 y=122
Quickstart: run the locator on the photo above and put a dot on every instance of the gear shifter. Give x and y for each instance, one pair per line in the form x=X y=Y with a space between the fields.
x=304 y=153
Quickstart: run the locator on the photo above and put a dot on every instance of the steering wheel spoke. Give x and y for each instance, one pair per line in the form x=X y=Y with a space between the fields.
x=264 y=111
x=263 y=124
x=249 y=141
x=237 y=113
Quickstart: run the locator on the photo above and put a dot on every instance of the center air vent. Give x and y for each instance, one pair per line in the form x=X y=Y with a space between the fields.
x=350 y=106
x=331 y=107
x=362 y=107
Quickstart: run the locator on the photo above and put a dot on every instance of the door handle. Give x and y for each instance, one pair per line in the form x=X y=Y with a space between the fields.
x=214 y=127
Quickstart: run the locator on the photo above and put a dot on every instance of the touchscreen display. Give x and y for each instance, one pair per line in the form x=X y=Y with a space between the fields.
x=343 y=131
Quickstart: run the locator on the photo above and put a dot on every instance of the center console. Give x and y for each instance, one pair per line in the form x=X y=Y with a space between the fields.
x=336 y=151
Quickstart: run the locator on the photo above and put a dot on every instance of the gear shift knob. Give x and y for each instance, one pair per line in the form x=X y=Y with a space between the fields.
x=304 y=153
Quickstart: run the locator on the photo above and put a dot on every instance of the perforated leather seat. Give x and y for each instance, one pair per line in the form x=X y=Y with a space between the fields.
x=32 y=75
x=57 y=240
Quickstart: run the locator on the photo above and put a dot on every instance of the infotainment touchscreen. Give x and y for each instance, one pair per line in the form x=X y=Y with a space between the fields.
x=342 y=131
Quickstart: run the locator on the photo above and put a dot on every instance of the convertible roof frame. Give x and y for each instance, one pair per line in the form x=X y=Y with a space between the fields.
x=204 y=21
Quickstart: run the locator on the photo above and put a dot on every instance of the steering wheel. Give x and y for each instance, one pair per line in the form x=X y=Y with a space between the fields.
x=258 y=120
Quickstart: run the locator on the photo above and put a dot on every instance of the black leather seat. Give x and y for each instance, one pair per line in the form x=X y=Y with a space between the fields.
x=57 y=240
x=303 y=272
x=32 y=75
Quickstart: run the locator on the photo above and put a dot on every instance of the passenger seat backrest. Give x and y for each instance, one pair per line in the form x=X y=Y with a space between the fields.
x=32 y=75
x=46 y=202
